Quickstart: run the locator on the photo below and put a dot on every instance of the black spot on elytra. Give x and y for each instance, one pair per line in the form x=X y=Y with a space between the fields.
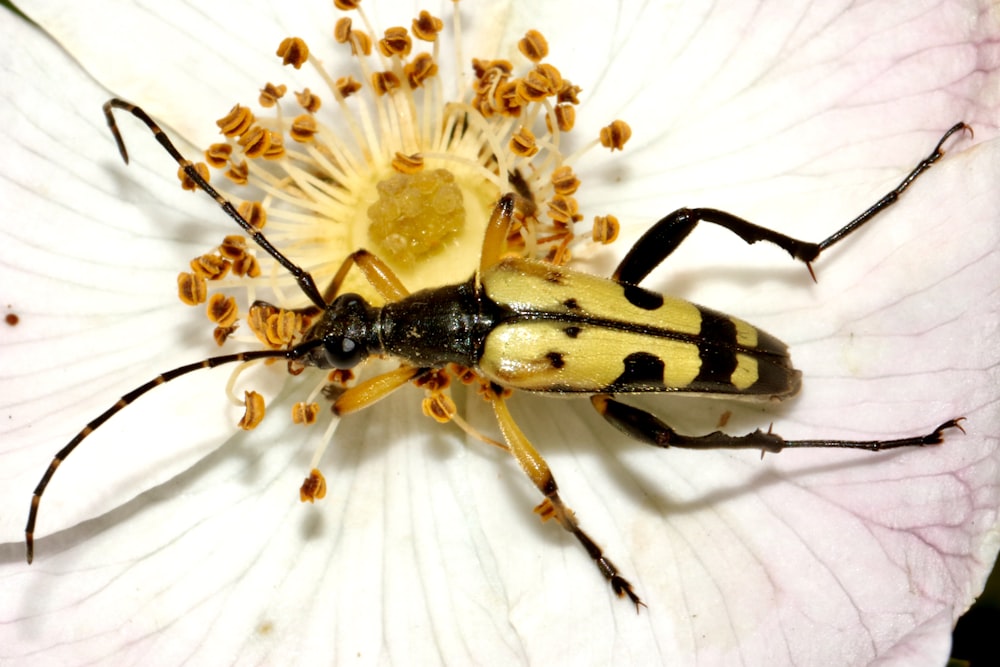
x=556 y=359
x=572 y=332
x=642 y=298
x=571 y=304
x=717 y=349
x=641 y=369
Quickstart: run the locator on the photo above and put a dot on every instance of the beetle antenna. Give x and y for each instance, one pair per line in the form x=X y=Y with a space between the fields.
x=302 y=277
x=296 y=352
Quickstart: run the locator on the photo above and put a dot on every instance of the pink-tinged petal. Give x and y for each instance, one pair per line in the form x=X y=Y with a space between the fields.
x=424 y=549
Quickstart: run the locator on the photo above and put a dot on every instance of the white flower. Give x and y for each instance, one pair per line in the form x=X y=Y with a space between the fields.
x=168 y=537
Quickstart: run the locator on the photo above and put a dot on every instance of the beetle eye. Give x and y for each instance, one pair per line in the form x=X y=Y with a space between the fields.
x=343 y=352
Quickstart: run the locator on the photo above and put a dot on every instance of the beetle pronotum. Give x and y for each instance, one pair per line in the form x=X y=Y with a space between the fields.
x=528 y=325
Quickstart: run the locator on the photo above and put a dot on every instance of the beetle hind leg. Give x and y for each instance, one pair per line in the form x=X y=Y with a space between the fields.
x=647 y=428
x=662 y=238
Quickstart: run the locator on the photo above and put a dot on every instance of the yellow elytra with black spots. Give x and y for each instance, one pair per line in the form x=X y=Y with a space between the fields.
x=537 y=327
x=565 y=331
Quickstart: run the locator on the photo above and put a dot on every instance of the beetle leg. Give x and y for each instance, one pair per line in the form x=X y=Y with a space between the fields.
x=538 y=472
x=497 y=230
x=354 y=398
x=649 y=429
x=375 y=271
x=661 y=239
x=374 y=389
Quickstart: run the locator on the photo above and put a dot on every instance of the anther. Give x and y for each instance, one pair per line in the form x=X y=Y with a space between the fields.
x=217 y=155
x=254 y=413
x=395 y=43
x=565 y=117
x=384 y=82
x=308 y=100
x=305 y=413
x=191 y=289
x=222 y=310
x=420 y=69
x=293 y=51
x=426 y=26
x=564 y=181
x=533 y=46
x=303 y=128
x=347 y=86
x=236 y=122
x=523 y=143
x=605 y=229
x=270 y=94
x=615 y=136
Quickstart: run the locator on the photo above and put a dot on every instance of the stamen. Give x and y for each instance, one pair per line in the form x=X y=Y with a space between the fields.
x=293 y=51
x=396 y=164
x=254 y=411
x=191 y=289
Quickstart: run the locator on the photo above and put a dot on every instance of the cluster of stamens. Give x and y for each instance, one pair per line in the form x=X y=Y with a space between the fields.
x=400 y=170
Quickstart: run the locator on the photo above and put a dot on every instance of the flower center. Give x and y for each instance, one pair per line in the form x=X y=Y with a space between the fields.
x=398 y=167
x=415 y=215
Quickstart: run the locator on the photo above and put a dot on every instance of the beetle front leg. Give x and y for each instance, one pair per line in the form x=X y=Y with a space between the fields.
x=538 y=472
x=376 y=272
x=355 y=398
x=647 y=428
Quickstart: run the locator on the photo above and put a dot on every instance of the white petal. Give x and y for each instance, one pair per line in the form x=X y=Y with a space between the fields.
x=426 y=549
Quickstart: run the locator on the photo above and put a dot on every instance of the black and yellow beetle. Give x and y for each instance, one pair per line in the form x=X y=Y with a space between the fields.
x=528 y=325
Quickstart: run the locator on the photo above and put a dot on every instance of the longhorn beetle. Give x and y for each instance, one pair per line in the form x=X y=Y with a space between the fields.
x=525 y=324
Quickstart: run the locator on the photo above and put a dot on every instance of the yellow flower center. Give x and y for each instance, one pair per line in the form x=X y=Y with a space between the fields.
x=390 y=162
